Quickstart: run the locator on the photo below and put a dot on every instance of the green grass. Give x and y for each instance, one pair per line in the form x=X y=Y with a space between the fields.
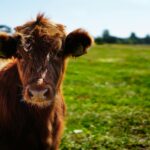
x=107 y=93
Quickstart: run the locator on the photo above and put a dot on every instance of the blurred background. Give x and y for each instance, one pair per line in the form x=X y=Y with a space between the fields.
x=120 y=17
x=106 y=91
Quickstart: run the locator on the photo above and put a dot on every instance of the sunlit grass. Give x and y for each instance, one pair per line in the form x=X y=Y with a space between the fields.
x=107 y=93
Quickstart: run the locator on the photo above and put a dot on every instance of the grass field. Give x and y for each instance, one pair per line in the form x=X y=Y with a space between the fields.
x=107 y=93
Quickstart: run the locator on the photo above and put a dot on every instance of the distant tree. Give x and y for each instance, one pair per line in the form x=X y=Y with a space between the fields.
x=133 y=35
x=4 y=28
x=133 y=39
x=147 y=39
x=105 y=34
x=107 y=38
x=99 y=40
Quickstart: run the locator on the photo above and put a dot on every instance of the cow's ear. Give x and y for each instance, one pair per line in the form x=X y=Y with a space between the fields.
x=8 y=45
x=77 y=43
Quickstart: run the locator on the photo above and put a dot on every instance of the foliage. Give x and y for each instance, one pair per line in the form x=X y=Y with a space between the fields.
x=133 y=39
x=108 y=99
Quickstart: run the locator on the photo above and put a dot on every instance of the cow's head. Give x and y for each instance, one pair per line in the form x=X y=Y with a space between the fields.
x=41 y=48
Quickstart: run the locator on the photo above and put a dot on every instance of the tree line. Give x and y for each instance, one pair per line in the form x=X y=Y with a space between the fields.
x=132 y=39
x=105 y=38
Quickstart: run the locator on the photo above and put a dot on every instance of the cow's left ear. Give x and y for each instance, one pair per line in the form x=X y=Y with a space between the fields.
x=8 y=45
x=77 y=43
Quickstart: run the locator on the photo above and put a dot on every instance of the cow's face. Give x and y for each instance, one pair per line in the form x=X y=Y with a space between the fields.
x=41 y=48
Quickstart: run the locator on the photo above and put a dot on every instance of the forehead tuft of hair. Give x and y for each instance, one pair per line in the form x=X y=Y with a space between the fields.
x=40 y=19
x=42 y=24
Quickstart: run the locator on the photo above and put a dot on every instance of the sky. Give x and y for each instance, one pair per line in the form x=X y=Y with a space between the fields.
x=120 y=17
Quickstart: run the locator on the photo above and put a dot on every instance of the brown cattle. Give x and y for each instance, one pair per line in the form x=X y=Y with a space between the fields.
x=32 y=108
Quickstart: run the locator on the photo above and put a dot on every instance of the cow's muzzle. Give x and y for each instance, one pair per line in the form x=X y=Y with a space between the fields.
x=38 y=93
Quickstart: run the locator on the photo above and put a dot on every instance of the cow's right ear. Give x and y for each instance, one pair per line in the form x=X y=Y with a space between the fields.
x=8 y=45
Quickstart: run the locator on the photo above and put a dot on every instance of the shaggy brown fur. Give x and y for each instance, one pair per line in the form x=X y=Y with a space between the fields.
x=32 y=108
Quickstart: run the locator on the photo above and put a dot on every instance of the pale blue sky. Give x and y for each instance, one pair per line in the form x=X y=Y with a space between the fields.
x=121 y=17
